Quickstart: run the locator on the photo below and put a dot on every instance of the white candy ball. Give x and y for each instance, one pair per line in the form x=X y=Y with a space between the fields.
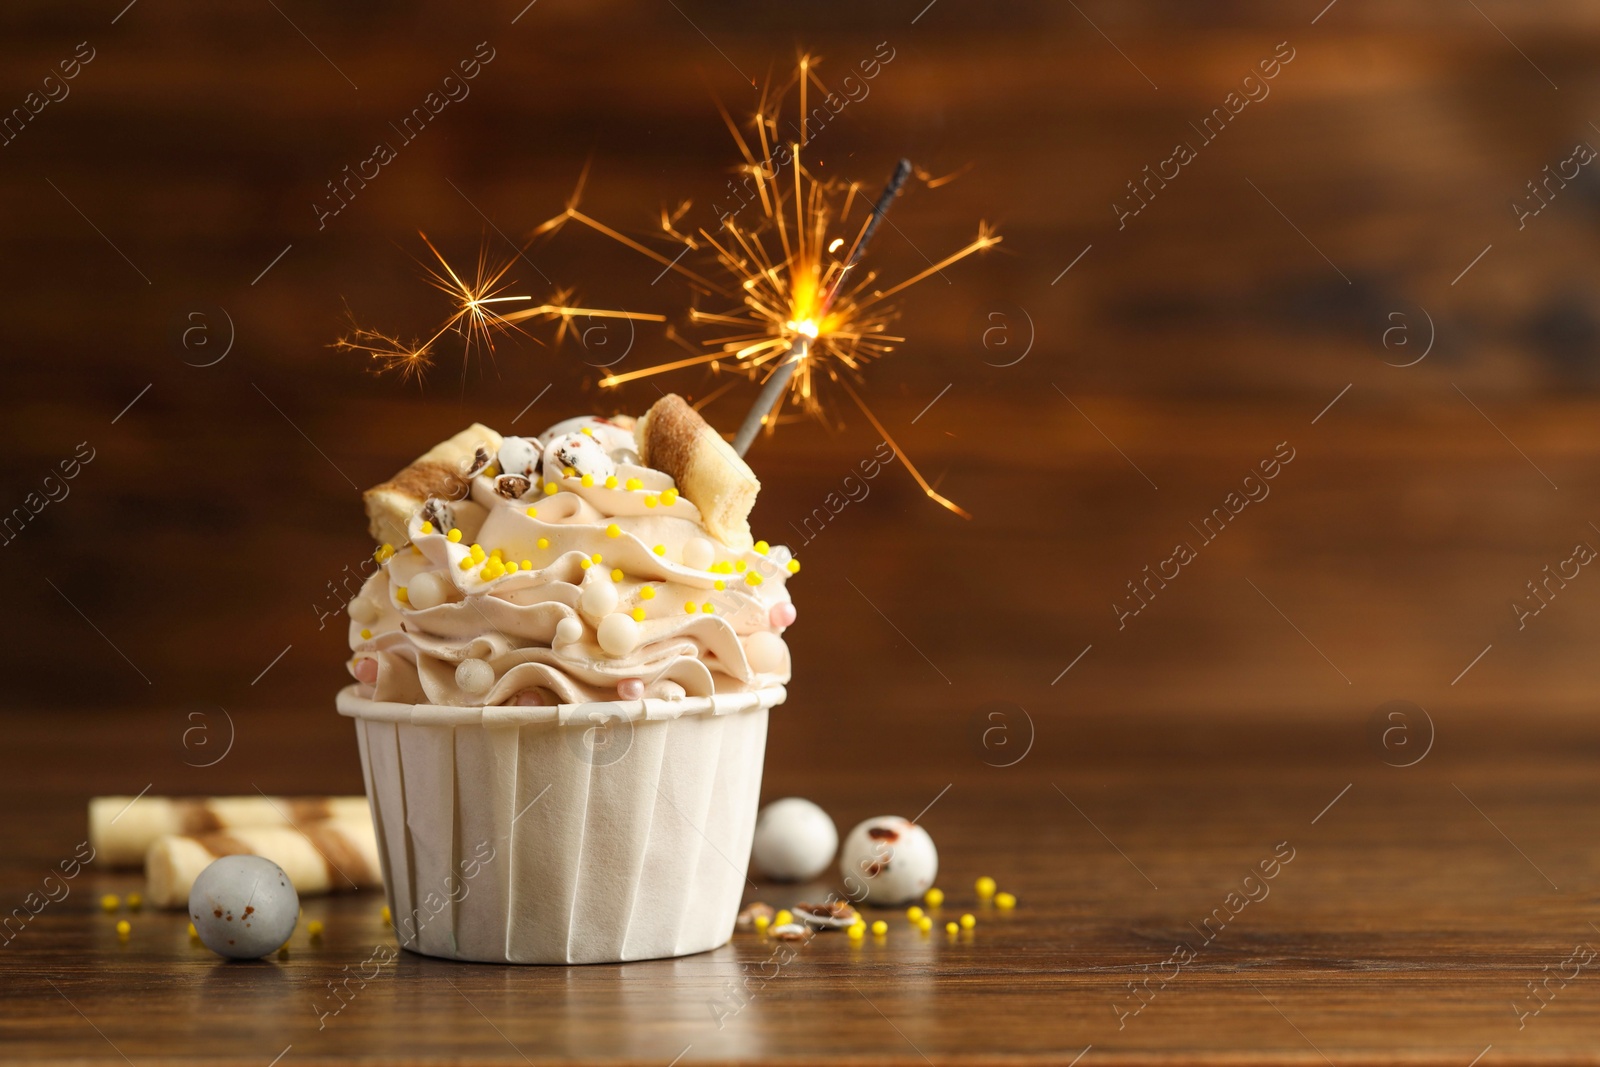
x=519 y=455
x=474 y=676
x=568 y=630
x=243 y=907
x=428 y=590
x=598 y=598
x=363 y=610
x=698 y=553
x=794 y=840
x=765 y=651
x=887 y=861
x=618 y=634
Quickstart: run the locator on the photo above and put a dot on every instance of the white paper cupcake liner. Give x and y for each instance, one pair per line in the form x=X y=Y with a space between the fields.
x=583 y=833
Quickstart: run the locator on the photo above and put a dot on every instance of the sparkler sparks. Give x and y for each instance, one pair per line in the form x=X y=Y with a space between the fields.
x=476 y=317
x=802 y=313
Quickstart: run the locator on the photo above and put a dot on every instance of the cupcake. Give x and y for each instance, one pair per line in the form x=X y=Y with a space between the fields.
x=562 y=676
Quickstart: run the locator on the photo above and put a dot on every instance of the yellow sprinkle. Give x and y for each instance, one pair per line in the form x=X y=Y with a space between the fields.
x=415 y=551
x=488 y=573
x=426 y=527
x=925 y=924
x=498 y=553
x=586 y=563
x=511 y=566
x=366 y=635
x=783 y=917
x=660 y=550
x=762 y=922
x=588 y=481
x=739 y=566
x=856 y=932
x=968 y=921
x=793 y=566
x=690 y=607
x=616 y=574
x=526 y=565
x=124 y=928
x=596 y=558
x=707 y=608
x=477 y=552
x=135 y=902
x=633 y=484
x=402 y=596
x=914 y=913
x=934 y=897
x=544 y=542
x=669 y=497
x=549 y=488
x=194 y=935
x=647 y=592
x=283 y=952
x=638 y=615
x=752 y=578
x=761 y=548
x=880 y=928
x=951 y=928
x=586 y=430
x=388 y=920
x=1005 y=901
x=454 y=535
x=611 y=481
x=613 y=530
x=314 y=930
x=650 y=501
x=719 y=585
x=533 y=513
x=985 y=887
x=111 y=902
x=491 y=471
x=466 y=563
x=568 y=471
x=383 y=553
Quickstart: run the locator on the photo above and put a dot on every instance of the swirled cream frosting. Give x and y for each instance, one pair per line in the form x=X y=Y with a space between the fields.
x=563 y=570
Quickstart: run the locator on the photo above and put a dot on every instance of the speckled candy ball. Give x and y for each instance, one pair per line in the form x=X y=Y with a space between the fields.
x=243 y=907
x=794 y=840
x=888 y=861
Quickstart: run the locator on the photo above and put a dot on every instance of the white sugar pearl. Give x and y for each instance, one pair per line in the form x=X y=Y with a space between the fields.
x=698 y=553
x=519 y=455
x=363 y=610
x=887 y=861
x=794 y=841
x=598 y=598
x=474 y=676
x=428 y=590
x=243 y=907
x=568 y=630
x=765 y=651
x=618 y=634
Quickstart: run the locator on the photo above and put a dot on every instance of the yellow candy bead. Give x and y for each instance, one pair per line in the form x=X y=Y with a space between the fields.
x=1005 y=901
x=634 y=484
x=194 y=935
x=486 y=574
x=110 y=902
x=426 y=527
x=762 y=922
x=856 y=932
x=454 y=535
x=544 y=542
x=466 y=563
x=669 y=497
x=366 y=635
x=925 y=924
x=707 y=608
x=596 y=558
x=651 y=501
x=719 y=585
x=793 y=566
x=783 y=917
x=638 y=614
x=511 y=566
x=402 y=596
x=588 y=481
x=533 y=513
x=613 y=531
x=124 y=928
x=752 y=578
x=491 y=471
x=739 y=566
x=934 y=897
x=611 y=481
x=647 y=592
x=880 y=928
x=314 y=929
x=388 y=920
x=950 y=928
x=689 y=607
x=761 y=548
x=586 y=563
x=968 y=921
x=526 y=565
x=477 y=552
x=914 y=913
x=985 y=887
x=616 y=574
x=135 y=902
x=549 y=488
x=568 y=471
x=660 y=550
x=498 y=553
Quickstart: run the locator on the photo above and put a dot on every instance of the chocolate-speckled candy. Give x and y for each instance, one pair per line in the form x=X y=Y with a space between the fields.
x=887 y=860
x=243 y=907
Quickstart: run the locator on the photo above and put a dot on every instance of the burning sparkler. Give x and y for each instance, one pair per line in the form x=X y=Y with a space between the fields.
x=476 y=317
x=802 y=312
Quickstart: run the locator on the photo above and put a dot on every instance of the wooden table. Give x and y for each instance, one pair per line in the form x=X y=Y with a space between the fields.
x=1409 y=911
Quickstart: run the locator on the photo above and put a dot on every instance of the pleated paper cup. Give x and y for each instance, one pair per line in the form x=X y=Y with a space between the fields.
x=583 y=833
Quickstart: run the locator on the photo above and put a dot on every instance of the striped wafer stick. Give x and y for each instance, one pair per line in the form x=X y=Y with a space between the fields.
x=121 y=829
x=675 y=440
x=331 y=856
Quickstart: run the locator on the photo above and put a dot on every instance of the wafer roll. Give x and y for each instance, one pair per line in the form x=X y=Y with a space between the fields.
x=121 y=829
x=675 y=440
x=330 y=856
x=442 y=471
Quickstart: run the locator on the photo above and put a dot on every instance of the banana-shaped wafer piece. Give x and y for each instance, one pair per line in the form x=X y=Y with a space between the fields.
x=442 y=471
x=675 y=440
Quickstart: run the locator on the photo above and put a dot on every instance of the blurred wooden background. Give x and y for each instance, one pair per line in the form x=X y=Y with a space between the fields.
x=1256 y=288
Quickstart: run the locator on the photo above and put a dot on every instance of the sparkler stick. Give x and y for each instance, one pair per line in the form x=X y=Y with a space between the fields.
x=777 y=383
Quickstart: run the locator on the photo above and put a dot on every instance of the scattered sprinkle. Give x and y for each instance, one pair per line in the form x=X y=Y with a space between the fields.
x=707 y=608
x=647 y=592
x=669 y=497
x=511 y=566
x=633 y=484
x=762 y=922
x=568 y=471
x=880 y=928
x=761 y=548
x=1005 y=901
x=388 y=920
x=968 y=921
x=951 y=928
x=527 y=565
x=466 y=563
x=402 y=596
x=588 y=481
x=689 y=606
x=752 y=578
x=586 y=430
x=925 y=924
x=660 y=550
x=544 y=542
x=110 y=902
x=383 y=553
x=783 y=917
x=793 y=566
x=856 y=931
x=314 y=930
x=549 y=488
x=651 y=501
x=491 y=471
x=638 y=615
x=985 y=887
x=719 y=585
x=426 y=527
x=596 y=558
x=934 y=897
x=613 y=530
x=586 y=563
x=454 y=535
x=194 y=935
x=739 y=566
x=366 y=635
x=611 y=481
x=533 y=513
x=135 y=902
x=616 y=574
x=477 y=552
x=498 y=553
x=914 y=913
x=124 y=928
